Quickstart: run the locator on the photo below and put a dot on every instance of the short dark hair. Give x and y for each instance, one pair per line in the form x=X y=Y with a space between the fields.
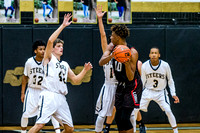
x=58 y=40
x=121 y=30
x=155 y=48
x=38 y=43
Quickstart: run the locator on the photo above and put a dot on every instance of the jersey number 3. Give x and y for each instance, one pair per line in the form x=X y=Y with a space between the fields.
x=155 y=83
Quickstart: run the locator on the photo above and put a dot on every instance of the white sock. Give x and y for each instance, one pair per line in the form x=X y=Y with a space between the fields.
x=133 y=122
x=57 y=130
x=55 y=123
x=24 y=122
x=99 y=124
x=171 y=118
x=175 y=130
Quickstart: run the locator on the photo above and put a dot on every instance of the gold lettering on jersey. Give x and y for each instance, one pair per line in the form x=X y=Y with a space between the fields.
x=14 y=77
x=155 y=75
x=87 y=77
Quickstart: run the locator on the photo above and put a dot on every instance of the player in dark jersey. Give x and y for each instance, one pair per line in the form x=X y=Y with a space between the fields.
x=130 y=84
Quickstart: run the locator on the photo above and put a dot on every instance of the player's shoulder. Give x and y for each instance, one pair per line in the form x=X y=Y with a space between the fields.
x=65 y=63
x=164 y=63
x=30 y=60
x=146 y=63
x=133 y=49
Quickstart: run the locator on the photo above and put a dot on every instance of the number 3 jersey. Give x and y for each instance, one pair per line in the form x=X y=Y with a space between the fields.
x=55 y=76
x=156 y=78
x=34 y=71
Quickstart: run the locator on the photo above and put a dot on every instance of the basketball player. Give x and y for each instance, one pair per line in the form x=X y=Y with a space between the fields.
x=135 y=115
x=52 y=98
x=106 y=99
x=33 y=75
x=155 y=74
x=127 y=76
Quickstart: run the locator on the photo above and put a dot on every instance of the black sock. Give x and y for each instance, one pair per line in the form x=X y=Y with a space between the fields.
x=107 y=128
x=141 y=124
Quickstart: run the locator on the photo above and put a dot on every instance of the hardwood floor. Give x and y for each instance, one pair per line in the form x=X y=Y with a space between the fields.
x=151 y=128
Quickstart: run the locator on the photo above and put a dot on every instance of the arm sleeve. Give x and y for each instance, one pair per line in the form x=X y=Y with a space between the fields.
x=143 y=76
x=170 y=81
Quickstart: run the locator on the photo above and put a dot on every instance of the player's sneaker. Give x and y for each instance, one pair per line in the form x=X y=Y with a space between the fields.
x=142 y=129
x=105 y=130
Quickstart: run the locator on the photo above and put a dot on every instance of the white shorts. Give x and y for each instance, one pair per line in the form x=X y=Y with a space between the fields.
x=30 y=107
x=159 y=96
x=106 y=99
x=56 y=105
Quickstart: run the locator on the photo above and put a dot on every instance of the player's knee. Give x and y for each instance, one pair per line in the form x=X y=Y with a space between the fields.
x=168 y=112
x=38 y=127
x=69 y=129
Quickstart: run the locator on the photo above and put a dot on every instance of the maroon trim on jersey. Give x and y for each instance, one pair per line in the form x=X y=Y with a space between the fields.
x=136 y=104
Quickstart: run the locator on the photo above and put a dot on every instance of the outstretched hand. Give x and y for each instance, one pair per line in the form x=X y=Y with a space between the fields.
x=176 y=99
x=66 y=20
x=99 y=11
x=88 y=66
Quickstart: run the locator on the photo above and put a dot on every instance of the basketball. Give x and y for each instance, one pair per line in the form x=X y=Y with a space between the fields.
x=110 y=20
x=122 y=53
x=36 y=20
x=74 y=19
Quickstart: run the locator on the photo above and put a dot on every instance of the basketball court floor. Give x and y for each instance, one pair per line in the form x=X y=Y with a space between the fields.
x=151 y=128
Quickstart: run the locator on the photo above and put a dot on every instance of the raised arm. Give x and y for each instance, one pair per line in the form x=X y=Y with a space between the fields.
x=130 y=66
x=53 y=37
x=101 y=27
x=76 y=79
x=107 y=55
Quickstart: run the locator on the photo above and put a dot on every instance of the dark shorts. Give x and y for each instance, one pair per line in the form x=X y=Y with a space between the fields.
x=128 y=94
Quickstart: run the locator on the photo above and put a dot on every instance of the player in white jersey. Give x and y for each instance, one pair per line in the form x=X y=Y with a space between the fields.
x=155 y=74
x=54 y=88
x=106 y=99
x=33 y=75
